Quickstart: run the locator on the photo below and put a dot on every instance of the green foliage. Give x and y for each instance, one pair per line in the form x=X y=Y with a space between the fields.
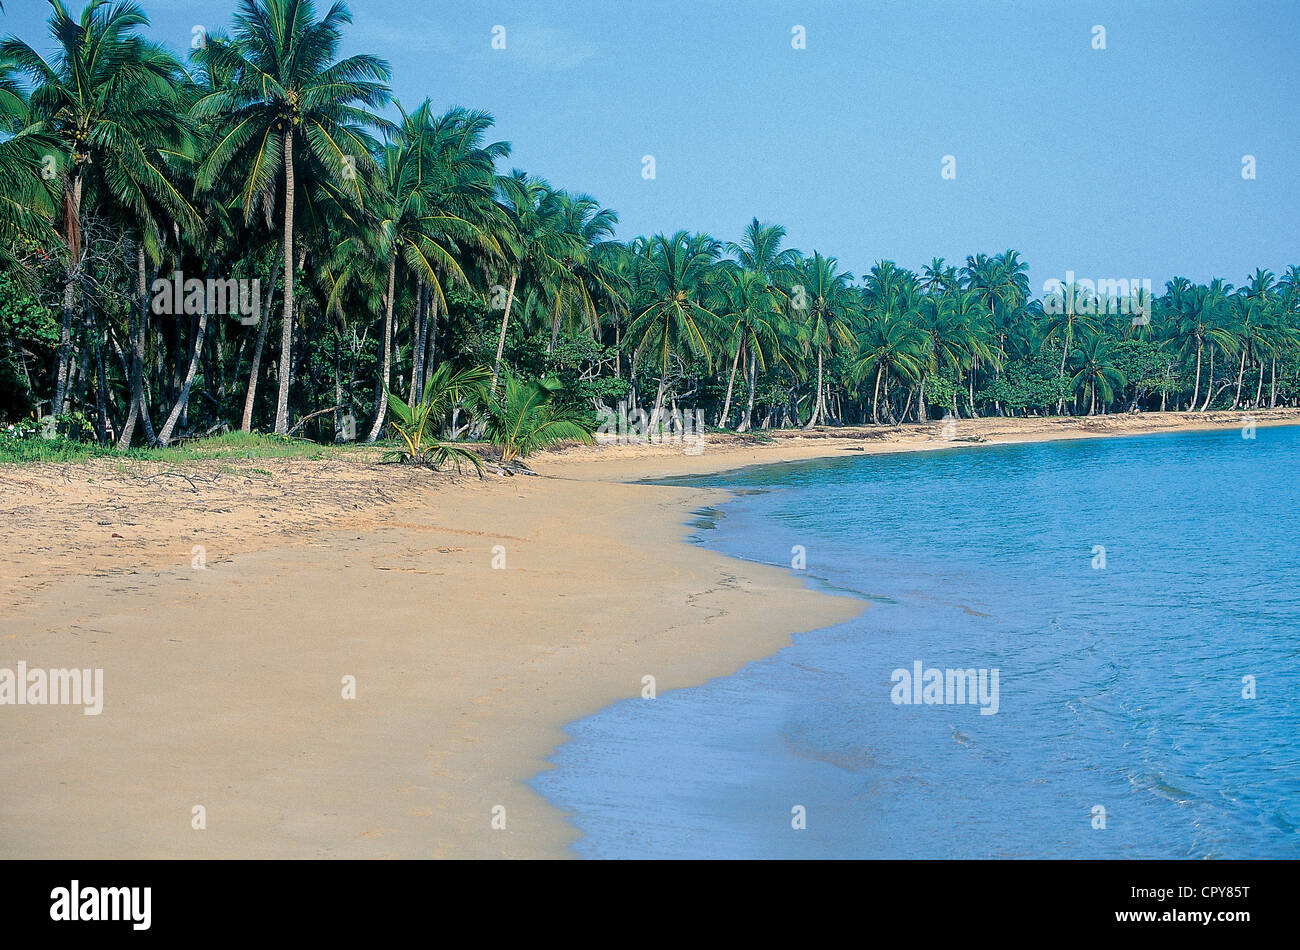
x=1027 y=384
x=524 y=419
x=414 y=422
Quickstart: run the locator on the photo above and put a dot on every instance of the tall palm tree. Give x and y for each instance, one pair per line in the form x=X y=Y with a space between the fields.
x=292 y=110
x=674 y=276
x=753 y=319
x=826 y=316
x=583 y=283
x=1065 y=323
x=534 y=242
x=1096 y=373
x=109 y=101
x=891 y=344
x=436 y=212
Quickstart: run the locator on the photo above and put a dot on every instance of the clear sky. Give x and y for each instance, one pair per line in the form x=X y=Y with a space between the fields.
x=1122 y=162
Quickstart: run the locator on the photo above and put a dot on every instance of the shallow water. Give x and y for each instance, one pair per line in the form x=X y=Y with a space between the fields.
x=1119 y=687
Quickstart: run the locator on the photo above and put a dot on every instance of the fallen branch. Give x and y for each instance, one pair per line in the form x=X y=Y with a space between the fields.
x=307 y=418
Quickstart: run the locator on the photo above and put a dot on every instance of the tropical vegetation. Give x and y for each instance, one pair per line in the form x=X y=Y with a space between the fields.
x=397 y=279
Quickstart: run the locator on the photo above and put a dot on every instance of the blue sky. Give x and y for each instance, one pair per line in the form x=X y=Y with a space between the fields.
x=1123 y=162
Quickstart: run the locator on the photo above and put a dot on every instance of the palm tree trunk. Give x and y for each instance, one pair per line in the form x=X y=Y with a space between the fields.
x=501 y=342
x=747 y=422
x=731 y=380
x=139 y=407
x=1241 y=375
x=431 y=330
x=555 y=328
x=658 y=410
x=1272 y=385
x=1259 y=388
x=973 y=368
x=246 y=424
x=1196 y=390
x=286 y=332
x=385 y=364
x=72 y=228
x=183 y=397
x=1209 y=383
x=1065 y=352
x=817 y=409
x=418 y=330
x=875 y=396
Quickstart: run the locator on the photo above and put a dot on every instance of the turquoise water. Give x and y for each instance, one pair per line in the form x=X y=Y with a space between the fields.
x=1119 y=687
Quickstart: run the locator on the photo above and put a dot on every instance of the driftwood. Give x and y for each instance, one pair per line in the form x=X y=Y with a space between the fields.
x=307 y=418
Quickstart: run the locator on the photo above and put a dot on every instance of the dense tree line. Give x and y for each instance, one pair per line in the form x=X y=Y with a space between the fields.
x=390 y=245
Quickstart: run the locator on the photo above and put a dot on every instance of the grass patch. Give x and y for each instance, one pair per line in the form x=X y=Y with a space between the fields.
x=229 y=446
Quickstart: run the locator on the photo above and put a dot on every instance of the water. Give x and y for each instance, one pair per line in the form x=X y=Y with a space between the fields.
x=1119 y=686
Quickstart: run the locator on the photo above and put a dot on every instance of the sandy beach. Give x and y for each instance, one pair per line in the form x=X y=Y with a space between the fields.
x=227 y=603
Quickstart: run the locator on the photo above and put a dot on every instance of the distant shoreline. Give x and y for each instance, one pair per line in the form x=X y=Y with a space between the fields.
x=222 y=681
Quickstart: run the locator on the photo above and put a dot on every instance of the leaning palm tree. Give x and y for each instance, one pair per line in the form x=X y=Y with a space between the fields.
x=109 y=100
x=292 y=109
x=534 y=241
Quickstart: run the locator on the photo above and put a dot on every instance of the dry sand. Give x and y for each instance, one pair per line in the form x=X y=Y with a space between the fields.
x=224 y=685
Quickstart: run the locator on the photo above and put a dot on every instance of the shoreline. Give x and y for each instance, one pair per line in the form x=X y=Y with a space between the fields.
x=223 y=684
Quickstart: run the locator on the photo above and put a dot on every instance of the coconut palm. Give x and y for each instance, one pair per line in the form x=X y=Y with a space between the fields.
x=824 y=305
x=535 y=244
x=109 y=101
x=890 y=345
x=674 y=322
x=526 y=418
x=294 y=111
x=1096 y=373
x=753 y=319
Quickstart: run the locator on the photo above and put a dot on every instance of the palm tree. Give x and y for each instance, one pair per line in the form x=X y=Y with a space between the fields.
x=437 y=183
x=583 y=283
x=292 y=108
x=890 y=345
x=753 y=320
x=526 y=419
x=28 y=198
x=535 y=244
x=674 y=275
x=826 y=320
x=1064 y=324
x=109 y=101
x=1096 y=372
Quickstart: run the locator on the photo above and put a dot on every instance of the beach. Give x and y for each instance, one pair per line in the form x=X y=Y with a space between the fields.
x=229 y=604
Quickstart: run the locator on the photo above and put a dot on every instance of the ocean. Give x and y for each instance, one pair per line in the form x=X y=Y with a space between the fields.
x=1135 y=602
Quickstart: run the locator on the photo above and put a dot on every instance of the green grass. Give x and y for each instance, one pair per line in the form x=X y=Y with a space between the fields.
x=227 y=447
